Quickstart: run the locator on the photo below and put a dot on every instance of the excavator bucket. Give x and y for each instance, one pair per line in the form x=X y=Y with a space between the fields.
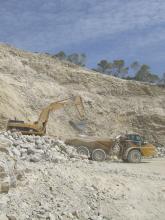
x=79 y=125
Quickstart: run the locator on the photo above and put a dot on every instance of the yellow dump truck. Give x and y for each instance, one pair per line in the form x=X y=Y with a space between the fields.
x=130 y=147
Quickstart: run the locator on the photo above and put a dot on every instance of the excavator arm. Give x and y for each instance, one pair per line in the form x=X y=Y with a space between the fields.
x=44 y=115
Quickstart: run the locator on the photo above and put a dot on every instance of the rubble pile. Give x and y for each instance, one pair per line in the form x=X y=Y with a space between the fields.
x=42 y=178
x=36 y=148
x=21 y=155
x=160 y=151
x=15 y=147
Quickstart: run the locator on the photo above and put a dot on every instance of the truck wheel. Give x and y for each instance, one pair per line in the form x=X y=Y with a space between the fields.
x=83 y=151
x=98 y=155
x=134 y=156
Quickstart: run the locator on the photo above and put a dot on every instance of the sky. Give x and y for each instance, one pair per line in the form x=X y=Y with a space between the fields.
x=133 y=30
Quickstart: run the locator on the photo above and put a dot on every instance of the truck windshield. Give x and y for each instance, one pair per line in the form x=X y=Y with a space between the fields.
x=135 y=138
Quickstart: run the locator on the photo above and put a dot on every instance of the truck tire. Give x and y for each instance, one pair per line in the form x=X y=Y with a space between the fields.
x=98 y=155
x=134 y=156
x=83 y=151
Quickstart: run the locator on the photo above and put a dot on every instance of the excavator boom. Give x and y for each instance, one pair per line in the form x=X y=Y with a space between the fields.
x=44 y=115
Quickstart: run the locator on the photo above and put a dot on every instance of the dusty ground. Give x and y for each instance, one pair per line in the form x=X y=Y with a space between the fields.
x=49 y=180
x=93 y=190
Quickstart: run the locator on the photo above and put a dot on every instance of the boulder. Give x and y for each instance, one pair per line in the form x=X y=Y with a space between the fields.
x=35 y=158
x=5 y=144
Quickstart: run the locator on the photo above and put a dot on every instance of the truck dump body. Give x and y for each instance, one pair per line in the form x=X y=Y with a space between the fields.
x=92 y=143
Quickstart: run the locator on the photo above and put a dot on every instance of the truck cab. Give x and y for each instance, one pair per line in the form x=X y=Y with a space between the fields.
x=135 y=138
x=137 y=144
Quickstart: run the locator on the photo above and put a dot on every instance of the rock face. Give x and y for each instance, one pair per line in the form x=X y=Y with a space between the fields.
x=28 y=82
x=160 y=150
x=7 y=166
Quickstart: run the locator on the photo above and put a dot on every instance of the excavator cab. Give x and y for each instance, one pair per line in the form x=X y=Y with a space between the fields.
x=15 y=121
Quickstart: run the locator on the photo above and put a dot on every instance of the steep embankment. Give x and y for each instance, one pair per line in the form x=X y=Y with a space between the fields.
x=30 y=81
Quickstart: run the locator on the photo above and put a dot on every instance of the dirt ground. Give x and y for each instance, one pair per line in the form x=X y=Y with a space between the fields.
x=92 y=190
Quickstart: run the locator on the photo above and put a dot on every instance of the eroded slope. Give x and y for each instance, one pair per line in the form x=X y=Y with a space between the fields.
x=30 y=81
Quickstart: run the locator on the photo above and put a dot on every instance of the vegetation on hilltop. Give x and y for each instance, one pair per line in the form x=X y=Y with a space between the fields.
x=117 y=68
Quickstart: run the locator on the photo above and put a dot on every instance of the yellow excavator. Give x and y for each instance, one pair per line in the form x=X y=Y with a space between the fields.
x=39 y=127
